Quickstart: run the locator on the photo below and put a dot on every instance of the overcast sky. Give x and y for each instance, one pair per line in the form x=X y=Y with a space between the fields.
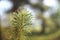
x=7 y=5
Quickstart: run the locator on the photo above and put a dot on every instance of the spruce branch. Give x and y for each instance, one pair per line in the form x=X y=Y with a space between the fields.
x=19 y=21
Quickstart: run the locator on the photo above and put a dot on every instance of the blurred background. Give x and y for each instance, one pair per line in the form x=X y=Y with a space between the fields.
x=44 y=23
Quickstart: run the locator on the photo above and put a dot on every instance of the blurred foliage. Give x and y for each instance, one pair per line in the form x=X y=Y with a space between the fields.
x=56 y=17
x=20 y=20
x=44 y=7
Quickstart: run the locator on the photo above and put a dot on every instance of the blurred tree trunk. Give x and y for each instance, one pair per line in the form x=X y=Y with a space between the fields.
x=58 y=15
x=42 y=9
x=0 y=30
x=43 y=26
